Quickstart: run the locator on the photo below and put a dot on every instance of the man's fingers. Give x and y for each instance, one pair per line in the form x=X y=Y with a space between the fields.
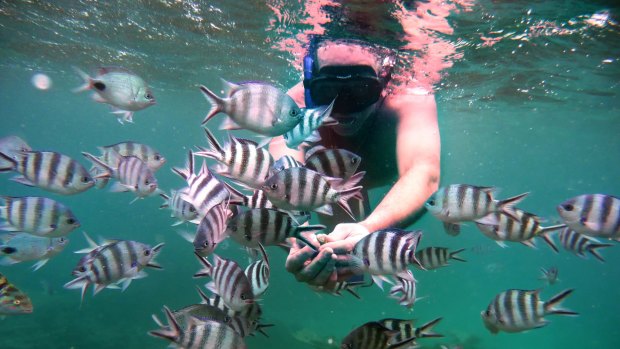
x=310 y=271
x=297 y=259
x=339 y=246
x=325 y=274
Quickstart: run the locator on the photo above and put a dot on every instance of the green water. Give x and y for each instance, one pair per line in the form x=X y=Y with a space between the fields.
x=544 y=119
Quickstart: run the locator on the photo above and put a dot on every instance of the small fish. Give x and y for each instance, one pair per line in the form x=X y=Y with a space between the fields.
x=240 y=159
x=180 y=209
x=595 y=215
x=461 y=202
x=49 y=170
x=100 y=176
x=306 y=190
x=211 y=230
x=12 y=300
x=405 y=291
x=268 y=227
x=523 y=229
x=258 y=107
x=199 y=334
x=338 y=163
x=229 y=281
x=549 y=275
x=111 y=263
x=307 y=129
x=520 y=310
x=386 y=252
x=258 y=273
x=349 y=286
x=579 y=244
x=284 y=162
x=24 y=247
x=436 y=257
x=122 y=89
x=406 y=329
x=253 y=312
x=373 y=335
x=37 y=216
x=151 y=157
x=12 y=146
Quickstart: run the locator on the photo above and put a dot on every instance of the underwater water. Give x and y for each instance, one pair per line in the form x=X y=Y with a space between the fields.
x=536 y=111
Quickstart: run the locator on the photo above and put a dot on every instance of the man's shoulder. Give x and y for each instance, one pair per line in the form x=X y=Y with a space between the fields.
x=406 y=102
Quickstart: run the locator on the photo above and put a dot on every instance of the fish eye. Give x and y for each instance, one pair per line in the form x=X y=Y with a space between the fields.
x=147 y=182
x=293 y=112
x=243 y=296
x=157 y=157
x=192 y=209
x=17 y=302
x=354 y=161
x=568 y=207
x=82 y=269
x=148 y=96
x=85 y=179
x=227 y=319
x=70 y=221
x=274 y=186
x=206 y=244
x=431 y=202
x=147 y=253
x=61 y=240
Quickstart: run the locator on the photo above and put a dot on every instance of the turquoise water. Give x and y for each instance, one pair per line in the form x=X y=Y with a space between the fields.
x=539 y=115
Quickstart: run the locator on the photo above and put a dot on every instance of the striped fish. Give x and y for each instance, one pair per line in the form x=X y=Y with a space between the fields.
x=436 y=257
x=24 y=247
x=338 y=163
x=205 y=190
x=268 y=227
x=258 y=199
x=579 y=244
x=520 y=310
x=550 y=275
x=386 y=252
x=306 y=190
x=37 y=216
x=12 y=146
x=49 y=170
x=256 y=106
x=349 y=285
x=252 y=313
x=284 y=162
x=199 y=334
x=240 y=159
x=229 y=281
x=111 y=263
x=258 y=273
x=523 y=229
x=461 y=202
x=596 y=215
x=405 y=291
x=151 y=157
x=211 y=230
x=132 y=174
x=180 y=209
x=307 y=129
x=406 y=329
x=12 y=300
x=373 y=335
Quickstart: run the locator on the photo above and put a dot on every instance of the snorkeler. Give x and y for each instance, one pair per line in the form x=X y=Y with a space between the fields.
x=395 y=131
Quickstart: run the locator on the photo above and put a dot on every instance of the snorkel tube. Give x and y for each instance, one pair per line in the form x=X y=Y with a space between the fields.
x=308 y=68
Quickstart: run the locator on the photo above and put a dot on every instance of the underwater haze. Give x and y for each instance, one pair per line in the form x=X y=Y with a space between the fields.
x=528 y=101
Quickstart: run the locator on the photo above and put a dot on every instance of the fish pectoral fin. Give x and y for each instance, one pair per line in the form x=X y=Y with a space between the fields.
x=5 y=226
x=23 y=180
x=325 y=209
x=118 y=187
x=39 y=264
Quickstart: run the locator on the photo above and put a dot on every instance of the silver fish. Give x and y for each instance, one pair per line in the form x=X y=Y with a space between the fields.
x=12 y=300
x=436 y=257
x=307 y=129
x=579 y=244
x=373 y=335
x=111 y=263
x=229 y=281
x=521 y=310
x=37 y=216
x=405 y=291
x=338 y=163
x=406 y=329
x=596 y=215
x=49 y=170
x=211 y=230
x=180 y=209
x=258 y=273
x=258 y=107
x=550 y=275
x=240 y=159
x=125 y=91
x=151 y=157
x=24 y=247
x=11 y=146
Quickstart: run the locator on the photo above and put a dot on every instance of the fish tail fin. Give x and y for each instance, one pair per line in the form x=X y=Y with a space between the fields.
x=170 y=332
x=306 y=229
x=186 y=172
x=556 y=300
x=217 y=103
x=545 y=234
x=166 y=199
x=453 y=255
x=236 y=197
x=424 y=331
x=593 y=249
x=215 y=152
x=88 y=81
x=346 y=194
x=507 y=205
x=107 y=170
x=12 y=164
x=206 y=271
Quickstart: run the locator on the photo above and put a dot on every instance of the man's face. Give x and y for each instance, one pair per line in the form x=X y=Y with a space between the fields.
x=350 y=123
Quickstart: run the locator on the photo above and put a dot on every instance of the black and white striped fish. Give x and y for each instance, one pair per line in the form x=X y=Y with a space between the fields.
x=523 y=229
x=373 y=335
x=307 y=129
x=12 y=146
x=199 y=334
x=258 y=273
x=596 y=215
x=242 y=160
x=338 y=163
x=151 y=157
x=180 y=209
x=436 y=257
x=406 y=329
x=462 y=202
x=579 y=244
x=268 y=227
x=229 y=281
x=211 y=230
x=521 y=310
x=256 y=106
x=37 y=216
x=284 y=162
x=302 y=189
x=349 y=285
x=405 y=290
x=386 y=252
x=253 y=312
x=204 y=189
x=49 y=170
x=112 y=263
x=258 y=199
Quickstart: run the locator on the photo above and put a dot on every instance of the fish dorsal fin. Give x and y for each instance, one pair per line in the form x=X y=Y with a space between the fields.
x=114 y=69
